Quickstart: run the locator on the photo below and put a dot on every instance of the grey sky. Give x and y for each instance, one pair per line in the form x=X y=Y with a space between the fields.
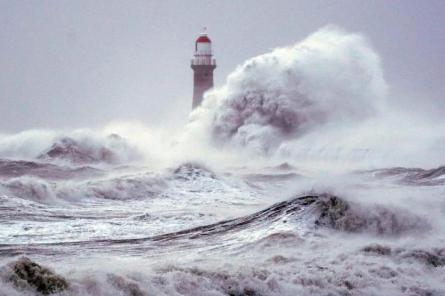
x=85 y=63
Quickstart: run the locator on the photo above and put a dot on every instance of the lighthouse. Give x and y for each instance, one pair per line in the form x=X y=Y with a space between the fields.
x=203 y=65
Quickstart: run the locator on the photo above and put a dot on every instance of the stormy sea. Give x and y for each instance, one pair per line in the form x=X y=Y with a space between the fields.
x=295 y=177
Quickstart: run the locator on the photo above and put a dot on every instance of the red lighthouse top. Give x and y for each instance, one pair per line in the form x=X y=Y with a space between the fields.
x=203 y=39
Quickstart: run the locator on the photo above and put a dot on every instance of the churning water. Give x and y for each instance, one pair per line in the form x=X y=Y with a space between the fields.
x=294 y=178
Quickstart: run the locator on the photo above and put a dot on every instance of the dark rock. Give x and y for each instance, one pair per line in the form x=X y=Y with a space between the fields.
x=25 y=273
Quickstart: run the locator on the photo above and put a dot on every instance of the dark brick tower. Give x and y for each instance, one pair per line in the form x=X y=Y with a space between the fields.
x=203 y=65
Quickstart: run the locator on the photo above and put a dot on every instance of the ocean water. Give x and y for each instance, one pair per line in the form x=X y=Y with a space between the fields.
x=194 y=230
x=296 y=177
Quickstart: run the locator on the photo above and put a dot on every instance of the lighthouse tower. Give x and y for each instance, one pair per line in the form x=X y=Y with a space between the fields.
x=203 y=65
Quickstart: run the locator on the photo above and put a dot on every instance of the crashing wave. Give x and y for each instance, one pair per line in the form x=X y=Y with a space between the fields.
x=276 y=275
x=346 y=216
x=89 y=152
x=191 y=171
x=413 y=176
x=139 y=186
x=281 y=95
x=312 y=212
x=319 y=211
x=325 y=211
x=29 y=188
x=19 y=168
x=135 y=186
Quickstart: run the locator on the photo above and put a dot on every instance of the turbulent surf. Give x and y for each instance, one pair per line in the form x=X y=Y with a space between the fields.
x=288 y=180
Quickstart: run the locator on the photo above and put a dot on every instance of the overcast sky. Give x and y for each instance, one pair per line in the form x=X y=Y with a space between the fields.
x=69 y=64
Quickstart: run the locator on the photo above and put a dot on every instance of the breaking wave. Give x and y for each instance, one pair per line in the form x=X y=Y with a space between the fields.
x=321 y=101
x=79 y=147
x=133 y=186
x=330 y=77
x=319 y=212
x=413 y=176
x=19 y=168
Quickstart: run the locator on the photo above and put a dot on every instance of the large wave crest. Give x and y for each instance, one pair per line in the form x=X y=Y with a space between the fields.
x=330 y=77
